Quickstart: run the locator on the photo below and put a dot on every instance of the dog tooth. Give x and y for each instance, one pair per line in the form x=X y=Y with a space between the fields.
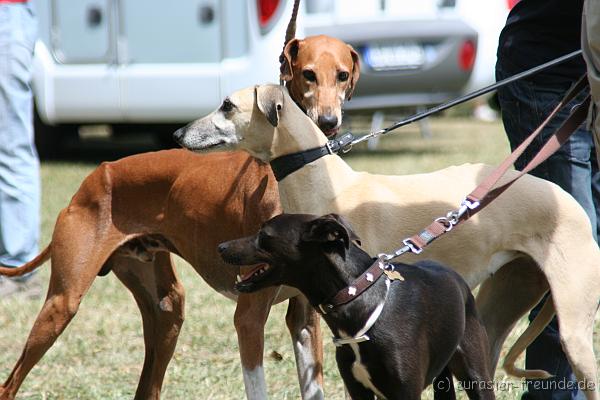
x=238 y=278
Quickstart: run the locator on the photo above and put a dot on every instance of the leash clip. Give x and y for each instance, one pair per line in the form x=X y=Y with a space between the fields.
x=471 y=204
x=448 y=222
x=465 y=205
x=412 y=246
x=343 y=144
x=346 y=142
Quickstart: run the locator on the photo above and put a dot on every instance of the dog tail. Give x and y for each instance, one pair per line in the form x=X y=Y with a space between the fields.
x=533 y=330
x=290 y=32
x=30 y=266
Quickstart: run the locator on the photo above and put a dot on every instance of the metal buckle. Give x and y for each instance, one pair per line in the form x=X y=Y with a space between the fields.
x=446 y=222
x=383 y=258
x=329 y=148
x=471 y=205
x=412 y=246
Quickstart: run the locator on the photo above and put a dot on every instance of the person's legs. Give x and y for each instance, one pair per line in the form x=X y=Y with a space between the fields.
x=590 y=44
x=524 y=105
x=19 y=165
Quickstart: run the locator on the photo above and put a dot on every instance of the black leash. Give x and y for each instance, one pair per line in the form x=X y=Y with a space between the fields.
x=287 y=164
x=472 y=95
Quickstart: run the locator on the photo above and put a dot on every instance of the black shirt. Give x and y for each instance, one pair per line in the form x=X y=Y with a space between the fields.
x=538 y=31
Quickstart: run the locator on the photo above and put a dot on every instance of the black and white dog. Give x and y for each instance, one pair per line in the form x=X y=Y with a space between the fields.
x=397 y=326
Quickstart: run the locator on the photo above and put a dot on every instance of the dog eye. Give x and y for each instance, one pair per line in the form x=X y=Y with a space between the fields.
x=227 y=105
x=263 y=240
x=309 y=75
x=343 y=76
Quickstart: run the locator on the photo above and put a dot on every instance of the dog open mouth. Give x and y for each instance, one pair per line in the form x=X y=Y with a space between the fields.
x=253 y=276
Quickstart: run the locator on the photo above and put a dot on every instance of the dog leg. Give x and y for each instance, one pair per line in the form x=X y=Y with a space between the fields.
x=443 y=386
x=303 y=322
x=59 y=308
x=249 y=319
x=576 y=307
x=517 y=286
x=470 y=363
x=160 y=298
x=71 y=277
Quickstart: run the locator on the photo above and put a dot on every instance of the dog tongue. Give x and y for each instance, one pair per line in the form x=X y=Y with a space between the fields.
x=251 y=272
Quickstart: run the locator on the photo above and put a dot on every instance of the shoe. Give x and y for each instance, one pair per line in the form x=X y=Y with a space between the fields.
x=29 y=289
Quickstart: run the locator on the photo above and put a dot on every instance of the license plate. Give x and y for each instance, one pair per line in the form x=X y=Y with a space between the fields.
x=394 y=57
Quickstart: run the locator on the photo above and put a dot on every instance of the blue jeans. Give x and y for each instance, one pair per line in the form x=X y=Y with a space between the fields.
x=524 y=105
x=19 y=165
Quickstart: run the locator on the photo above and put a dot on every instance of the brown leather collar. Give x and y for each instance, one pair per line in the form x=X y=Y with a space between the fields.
x=356 y=288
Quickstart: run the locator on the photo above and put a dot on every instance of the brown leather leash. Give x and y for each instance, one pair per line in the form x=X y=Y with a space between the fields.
x=474 y=202
x=486 y=191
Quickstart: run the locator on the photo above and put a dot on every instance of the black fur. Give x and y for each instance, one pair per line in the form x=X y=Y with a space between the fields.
x=428 y=328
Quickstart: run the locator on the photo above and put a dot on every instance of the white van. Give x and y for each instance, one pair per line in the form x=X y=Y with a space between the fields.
x=157 y=64
x=124 y=62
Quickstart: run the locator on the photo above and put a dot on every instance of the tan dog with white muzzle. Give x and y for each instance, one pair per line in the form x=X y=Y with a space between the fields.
x=533 y=238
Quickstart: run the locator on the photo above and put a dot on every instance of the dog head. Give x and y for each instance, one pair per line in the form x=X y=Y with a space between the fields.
x=291 y=248
x=320 y=73
x=256 y=120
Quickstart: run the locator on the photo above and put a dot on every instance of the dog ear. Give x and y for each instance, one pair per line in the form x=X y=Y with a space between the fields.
x=287 y=58
x=269 y=100
x=355 y=72
x=330 y=228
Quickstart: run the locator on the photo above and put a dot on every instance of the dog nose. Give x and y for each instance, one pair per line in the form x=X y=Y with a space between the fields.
x=178 y=135
x=222 y=247
x=327 y=122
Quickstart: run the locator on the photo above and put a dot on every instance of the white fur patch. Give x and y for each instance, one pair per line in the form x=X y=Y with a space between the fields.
x=305 y=364
x=359 y=371
x=254 y=382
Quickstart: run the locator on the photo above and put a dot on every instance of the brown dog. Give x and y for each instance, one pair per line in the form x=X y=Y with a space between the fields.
x=320 y=73
x=126 y=217
x=137 y=210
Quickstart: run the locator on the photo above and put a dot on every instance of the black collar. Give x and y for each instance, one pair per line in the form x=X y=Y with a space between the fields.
x=289 y=163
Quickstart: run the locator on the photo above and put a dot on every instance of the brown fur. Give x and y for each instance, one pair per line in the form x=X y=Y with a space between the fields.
x=183 y=202
x=330 y=60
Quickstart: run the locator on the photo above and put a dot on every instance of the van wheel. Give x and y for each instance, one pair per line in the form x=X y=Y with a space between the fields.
x=51 y=140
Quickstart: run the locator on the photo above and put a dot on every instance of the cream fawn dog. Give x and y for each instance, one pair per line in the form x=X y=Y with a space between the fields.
x=532 y=239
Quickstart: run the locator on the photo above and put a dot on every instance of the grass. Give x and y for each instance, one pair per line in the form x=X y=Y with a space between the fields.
x=100 y=354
